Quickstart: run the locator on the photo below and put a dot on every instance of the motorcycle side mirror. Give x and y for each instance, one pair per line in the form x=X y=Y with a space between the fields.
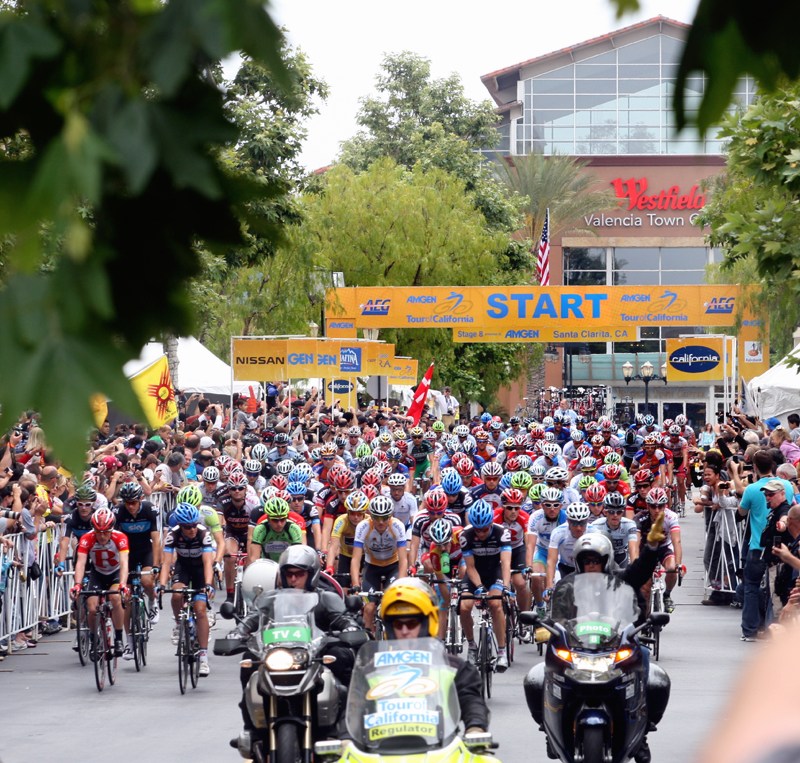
x=530 y=618
x=224 y=647
x=659 y=618
x=353 y=603
x=354 y=638
x=227 y=610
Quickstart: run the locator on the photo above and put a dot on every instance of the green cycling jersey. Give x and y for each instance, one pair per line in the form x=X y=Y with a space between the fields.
x=272 y=543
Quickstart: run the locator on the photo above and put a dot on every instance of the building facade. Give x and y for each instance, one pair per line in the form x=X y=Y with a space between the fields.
x=608 y=102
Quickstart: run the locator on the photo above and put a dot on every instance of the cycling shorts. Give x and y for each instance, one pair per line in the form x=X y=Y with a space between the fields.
x=241 y=540
x=487 y=582
x=664 y=553
x=518 y=557
x=375 y=578
x=192 y=577
x=143 y=558
x=540 y=556
x=421 y=470
x=100 y=582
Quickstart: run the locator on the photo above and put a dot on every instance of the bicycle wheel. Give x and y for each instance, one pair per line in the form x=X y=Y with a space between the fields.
x=656 y=642
x=379 y=629
x=145 y=620
x=452 y=639
x=136 y=632
x=99 y=651
x=490 y=654
x=194 y=660
x=238 y=599
x=511 y=629
x=183 y=654
x=111 y=662
x=82 y=631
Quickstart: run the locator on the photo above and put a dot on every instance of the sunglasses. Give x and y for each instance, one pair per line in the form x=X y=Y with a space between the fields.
x=328 y=458
x=85 y=505
x=614 y=511
x=297 y=498
x=592 y=560
x=576 y=522
x=127 y=503
x=406 y=623
x=512 y=508
x=549 y=505
x=237 y=488
x=295 y=573
x=595 y=503
x=417 y=437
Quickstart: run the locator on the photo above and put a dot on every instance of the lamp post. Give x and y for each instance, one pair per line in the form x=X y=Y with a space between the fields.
x=645 y=375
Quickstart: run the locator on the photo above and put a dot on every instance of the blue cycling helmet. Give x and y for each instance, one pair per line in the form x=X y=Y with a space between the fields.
x=505 y=480
x=451 y=481
x=296 y=488
x=486 y=417
x=186 y=514
x=480 y=514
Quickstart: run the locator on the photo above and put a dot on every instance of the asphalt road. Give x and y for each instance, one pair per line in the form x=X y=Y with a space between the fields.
x=52 y=708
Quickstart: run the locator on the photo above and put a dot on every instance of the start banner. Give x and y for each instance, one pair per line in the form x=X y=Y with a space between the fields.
x=548 y=334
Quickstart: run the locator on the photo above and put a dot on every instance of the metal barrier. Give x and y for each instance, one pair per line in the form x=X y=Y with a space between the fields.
x=26 y=603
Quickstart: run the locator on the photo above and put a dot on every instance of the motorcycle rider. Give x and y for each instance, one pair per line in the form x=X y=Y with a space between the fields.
x=410 y=610
x=594 y=552
x=299 y=568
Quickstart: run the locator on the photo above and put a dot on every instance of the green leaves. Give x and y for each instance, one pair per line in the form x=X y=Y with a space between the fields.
x=22 y=40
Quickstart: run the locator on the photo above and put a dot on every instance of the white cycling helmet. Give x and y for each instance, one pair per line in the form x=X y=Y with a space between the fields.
x=578 y=511
x=397 y=480
x=556 y=474
x=552 y=494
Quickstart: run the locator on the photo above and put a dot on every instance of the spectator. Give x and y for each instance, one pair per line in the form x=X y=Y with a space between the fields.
x=450 y=416
x=794 y=426
x=565 y=408
x=779 y=438
x=34 y=448
x=707 y=438
x=787 y=554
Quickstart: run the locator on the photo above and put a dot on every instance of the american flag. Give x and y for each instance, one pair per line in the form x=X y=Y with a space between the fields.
x=543 y=255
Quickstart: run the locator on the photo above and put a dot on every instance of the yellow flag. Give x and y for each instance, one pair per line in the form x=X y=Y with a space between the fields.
x=99 y=406
x=153 y=387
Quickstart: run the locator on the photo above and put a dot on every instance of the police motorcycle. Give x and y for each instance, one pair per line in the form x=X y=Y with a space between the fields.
x=402 y=705
x=593 y=701
x=293 y=698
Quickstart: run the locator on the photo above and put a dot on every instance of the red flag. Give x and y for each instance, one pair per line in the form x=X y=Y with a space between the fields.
x=543 y=256
x=420 y=396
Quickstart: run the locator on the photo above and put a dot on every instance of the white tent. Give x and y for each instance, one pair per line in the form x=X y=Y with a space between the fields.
x=777 y=391
x=199 y=370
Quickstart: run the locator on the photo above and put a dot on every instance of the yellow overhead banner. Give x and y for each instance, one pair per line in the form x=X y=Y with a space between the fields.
x=404 y=371
x=547 y=334
x=696 y=358
x=259 y=359
x=340 y=328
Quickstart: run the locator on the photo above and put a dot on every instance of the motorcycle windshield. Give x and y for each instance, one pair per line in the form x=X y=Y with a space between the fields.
x=594 y=608
x=402 y=698
x=287 y=616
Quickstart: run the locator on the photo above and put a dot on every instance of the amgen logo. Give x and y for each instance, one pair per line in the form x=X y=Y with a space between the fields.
x=694 y=359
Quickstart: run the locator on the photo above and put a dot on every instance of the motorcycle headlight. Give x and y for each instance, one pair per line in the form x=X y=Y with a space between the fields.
x=286 y=659
x=593 y=663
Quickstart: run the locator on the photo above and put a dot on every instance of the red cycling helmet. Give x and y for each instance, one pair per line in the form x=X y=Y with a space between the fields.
x=657 y=497
x=512 y=496
x=436 y=501
x=612 y=471
x=595 y=493
x=279 y=481
x=643 y=477
x=465 y=467
x=343 y=480
x=512 y=464
x=103 y=519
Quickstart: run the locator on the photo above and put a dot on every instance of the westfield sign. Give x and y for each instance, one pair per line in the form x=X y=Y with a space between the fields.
x=634 y=193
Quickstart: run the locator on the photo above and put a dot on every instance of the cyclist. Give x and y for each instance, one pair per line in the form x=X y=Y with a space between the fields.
x=459 y=498
x=210 y=488
x=106 y=550
x=236 y=514
x=648 y=426
x=483 y=449
x=403 y=502
x=631 y=444
x=613 y=480
x=410 y=612
x=274 y=533
x=651 y=457
x=515 y=520
x=252 y=470
x=562 y=543
x=340 y=548
x=380 y=541
x=594 y=497
x=489 y=491
x=486 y=548
x=435 y=505
x=420 y=451
x=395 y=458
x=281 y=450
x=76 y=524
x=540 y=527
x=680 y=459
x=466 y=470
x=621 y=531
x=138 y=520
x=188 y=547
x=557 y=477
x=443 y=560
x=670 y=551
x=299 y=503
x=331 y=505
x=551 y=456
x=637 y=501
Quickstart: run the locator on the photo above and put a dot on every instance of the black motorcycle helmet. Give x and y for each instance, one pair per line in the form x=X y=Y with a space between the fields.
x=300 y=557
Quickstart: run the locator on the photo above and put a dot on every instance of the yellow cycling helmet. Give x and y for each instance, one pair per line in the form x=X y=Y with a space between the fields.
x=407 y=597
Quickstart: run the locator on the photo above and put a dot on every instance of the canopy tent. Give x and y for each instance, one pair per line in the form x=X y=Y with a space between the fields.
x=777 y=391
x=199 y=370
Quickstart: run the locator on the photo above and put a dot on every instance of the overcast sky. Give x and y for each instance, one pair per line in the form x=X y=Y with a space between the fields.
x=346 y=40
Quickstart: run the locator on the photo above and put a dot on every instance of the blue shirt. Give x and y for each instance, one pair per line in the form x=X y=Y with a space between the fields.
x=755 y=503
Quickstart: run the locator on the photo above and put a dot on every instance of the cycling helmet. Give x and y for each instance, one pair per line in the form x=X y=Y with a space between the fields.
x=435 y=500
x=186 y=514
x=441 y=531
x=385 y=438
x=305 y=469
x=675 y=430
x=268 y=492
x=558 y=418
x=438 y=426
x=594 y=544
x=187 y=494
x=595 y=492
x=279 y=482
x=548 y=421
x=354 y=432
x=370 y=491
x=253 y=466
x=491 y=469
x=521 y=440
x=556 y=474
x=381 y=507
x=363 y=450
x=379 y=455
x=597 y=440
x=356 y=502
x=384 y=468
x=535 y=493
x=367 y=462
x=230 y=468
x=612 y=471
x=276 y=508
x=396 y=479
x=552 y=494
x=508 y=443
x=657 y=497
x=402 y=445
x=486 y=417
x=538 y=471
x=521 y=480
x=211 y=474
x=651 y=439
x=550 y=449
x=666 y=424
x=103 y=519
x=505 y=481
x=303 y=558
x=409 y=597
x=649 y=420
x=482 y=436
x=451 y=481
x=614 y=500
x=512 y=497
x=524 y=461
x=316 y=454
x=296 y=488
x=480 y=514
x=130 y=491
x=284 y=494
x=643 y=477
x=261 y=576
x=588 y=463
x=585 y=481
x=681 y=420
x=584 y=449
x=496 y=426
x=465 y=467
x=468 y=447
x=285 y=466
x=536 y=432
x=578 y=511
x=417 y=432
x=606 y=425
x=576 y=435
x=259 y=452
x=549 y=437
x=512 y=464
x=513 y=420
x=462 y=430
x=394 y=454
x=222 y=460
x=343 y=481
x=281 y=438
x=328 y=449
x=612 y=458
x=237 y=479
x=603 y=452
x=340 y=442
x=372 y=477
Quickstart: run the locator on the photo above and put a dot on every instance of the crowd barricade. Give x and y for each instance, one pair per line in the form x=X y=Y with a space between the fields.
x=27 y=603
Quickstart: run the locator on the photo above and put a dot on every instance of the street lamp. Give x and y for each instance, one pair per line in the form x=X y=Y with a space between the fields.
x=313 y=328
x=645 y=375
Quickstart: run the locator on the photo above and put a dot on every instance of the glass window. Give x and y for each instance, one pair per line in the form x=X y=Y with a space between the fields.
x=561 y=147
x=606 y=86
x=717 y=255
x=603 y=58
x=641 y=103
x=549 y=86
x=596 y=100
x=551 y=132
x=649 y=118
x=679 y=277
x=635 y=278
x=673 y=332
x=585 y=258
x=565 y=72
x=556 y=101
x=544 y=117
x=671 y=49
x=639 y=52
x=602 y=147
x=672 y=409
x=639 y=85
x=639 y=71
x=697 y=415
x=683 y=258
x=633 y=347
x=640 y=146
x=595 y=71
x=649 y=332
x=636 y=258
x=585 y=278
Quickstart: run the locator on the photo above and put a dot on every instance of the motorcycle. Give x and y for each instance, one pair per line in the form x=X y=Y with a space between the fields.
x=594 y=697
x=402 y=705
x=292 y=698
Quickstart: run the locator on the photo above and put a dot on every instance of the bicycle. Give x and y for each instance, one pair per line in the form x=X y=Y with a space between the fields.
x=140 y=620
x=82 y=630
x=188 y=647
x=486 y=641
x=101 y=651
x=239 y=604
x=651 y=635
x=373 y=596
x=453 y=635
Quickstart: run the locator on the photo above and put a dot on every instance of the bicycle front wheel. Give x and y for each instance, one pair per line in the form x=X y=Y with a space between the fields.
x=98 y=651
x=136 y=632
x=82 y=631
x=511 y=630
x=453 y=635
x=484 y=662
x=111 y=662
x=184 y=645
x=194 y=662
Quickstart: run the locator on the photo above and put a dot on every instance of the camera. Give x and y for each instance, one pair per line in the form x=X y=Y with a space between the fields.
x=8 y=514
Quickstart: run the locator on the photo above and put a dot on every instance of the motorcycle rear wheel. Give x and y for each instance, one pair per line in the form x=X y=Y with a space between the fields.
x=287 y=744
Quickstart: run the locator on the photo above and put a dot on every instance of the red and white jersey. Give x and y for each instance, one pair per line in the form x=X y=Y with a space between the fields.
x=515 y=529
x=104 y=557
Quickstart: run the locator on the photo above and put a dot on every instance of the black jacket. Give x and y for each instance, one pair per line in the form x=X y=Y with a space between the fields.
x=474 y=711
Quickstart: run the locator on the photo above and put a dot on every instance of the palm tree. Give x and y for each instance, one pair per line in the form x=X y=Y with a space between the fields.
x=555 y=182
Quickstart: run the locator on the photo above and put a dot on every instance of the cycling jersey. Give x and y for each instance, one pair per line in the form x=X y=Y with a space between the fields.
x=188 y=551
x=515 y=529
x=380 y=548
x=486 y=552
x=104 y=557
x=542 y=527
x=421 y=526
x=273 y=543
x=652 y=461
x=490 y=496
x=619 y=537
x=344 y=532
x=75 y=526
x=671 y=523
x=138 y=528
x=461 y=503
x=237 y=520
x=209 y=516
x=563 y=539
x=405 y=509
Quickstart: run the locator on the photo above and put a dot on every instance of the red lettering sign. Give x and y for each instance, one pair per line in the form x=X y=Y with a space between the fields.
x=633 y=191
